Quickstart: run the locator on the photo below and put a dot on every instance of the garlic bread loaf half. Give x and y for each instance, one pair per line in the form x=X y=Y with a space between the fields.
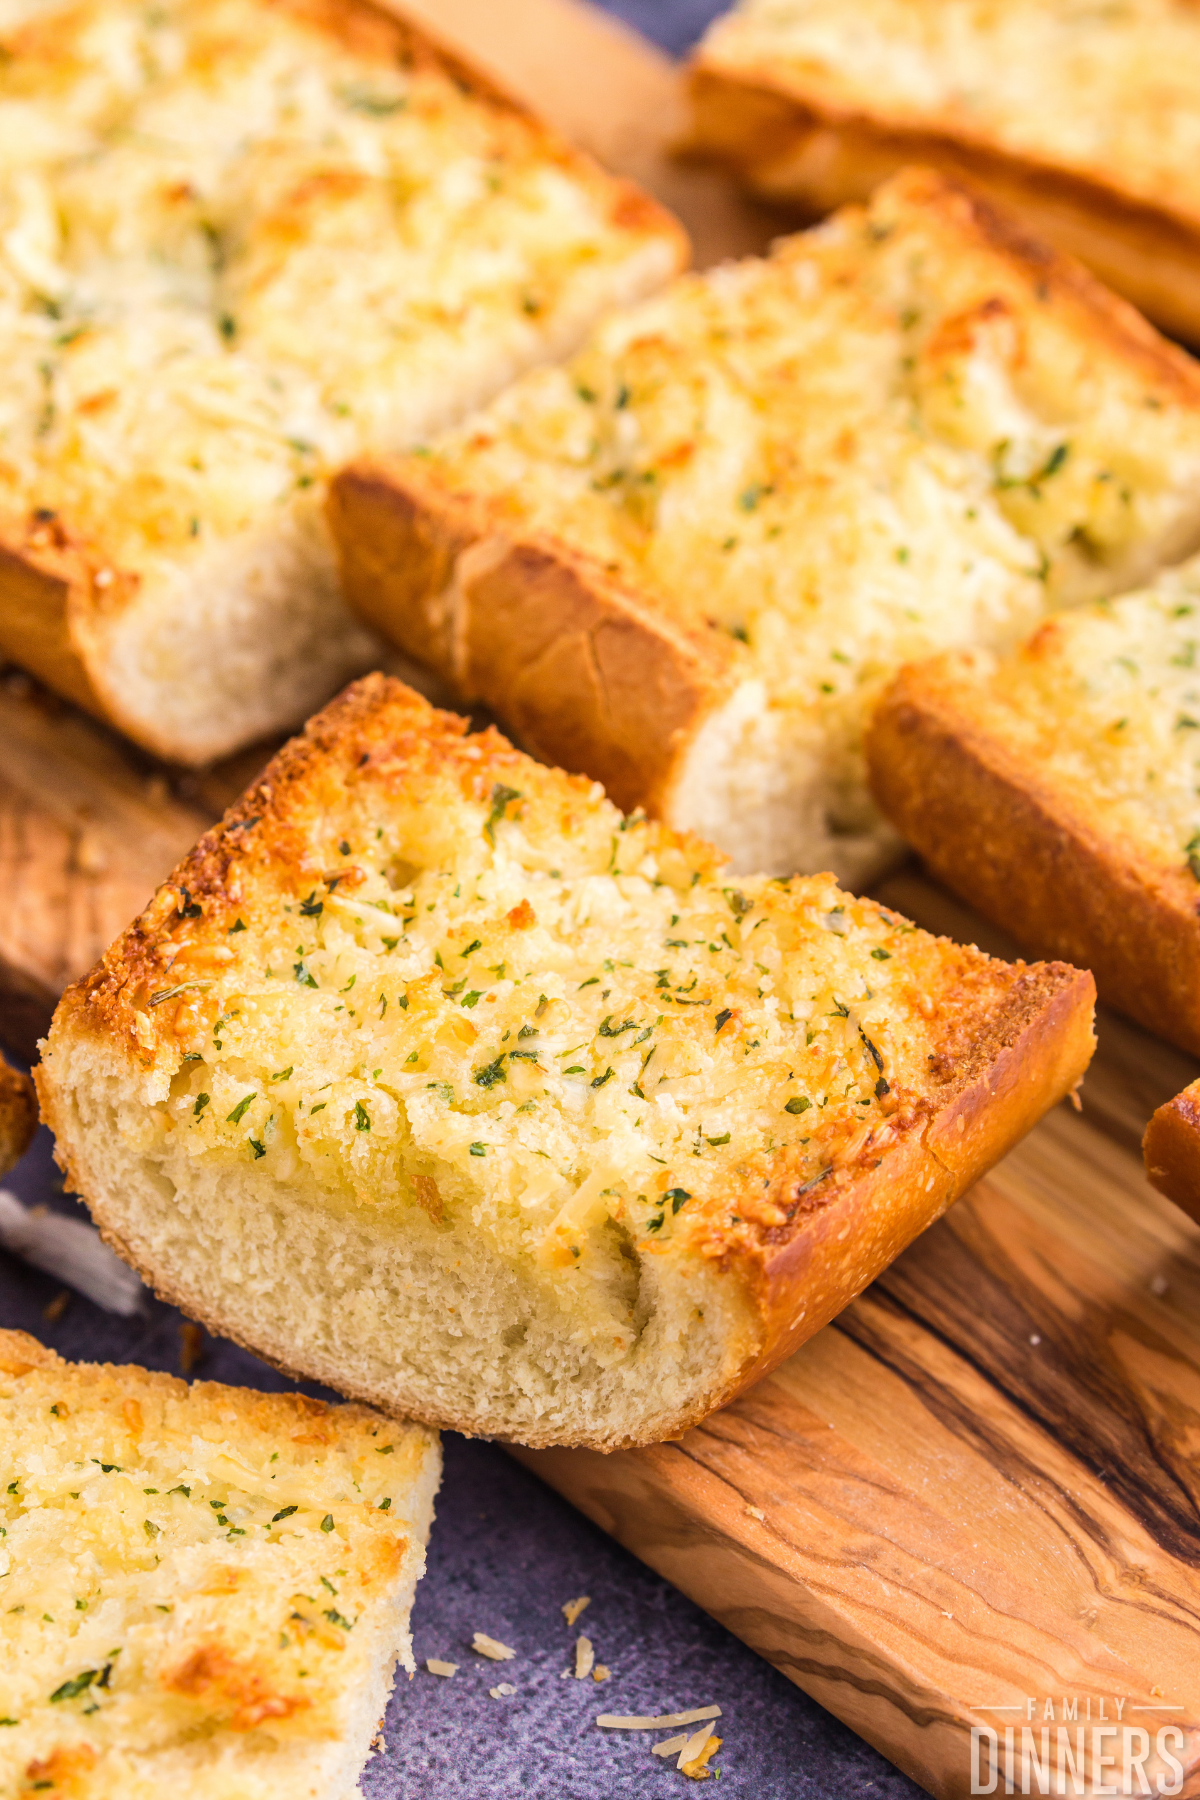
x=1085 y=119
x=433 y=1076
x=1058 y=790
x=18 y=1115
x=240 y=242
x=687 y=562
x=205 y=1589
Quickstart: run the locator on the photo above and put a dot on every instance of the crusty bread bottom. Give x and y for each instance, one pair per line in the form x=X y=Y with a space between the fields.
x=395 y=1318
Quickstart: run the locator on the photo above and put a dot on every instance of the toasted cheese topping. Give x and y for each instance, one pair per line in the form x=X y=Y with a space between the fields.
x=187 y=1568
x=883 y=440
x=1106 y=702
x=1111 y=91
x=473 y=990
x=236 y=246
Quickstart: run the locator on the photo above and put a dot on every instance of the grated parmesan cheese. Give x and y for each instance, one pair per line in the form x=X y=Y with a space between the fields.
x=585 y=1658
x=672 y=1745
x=492 y=1647
x=573 y=1608
x=656 y=1722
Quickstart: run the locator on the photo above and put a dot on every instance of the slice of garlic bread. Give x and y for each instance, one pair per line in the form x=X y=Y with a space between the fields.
x=1058 y=789
x=431 y=1075
x=1085 y=118
x=204 y=1589
x=240 y=241
x=688 y=562
x=18 y=1115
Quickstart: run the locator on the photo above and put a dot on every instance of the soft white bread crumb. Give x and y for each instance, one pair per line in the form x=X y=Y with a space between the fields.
x=202 y=1590
x=239 y=242
x=431 y=1075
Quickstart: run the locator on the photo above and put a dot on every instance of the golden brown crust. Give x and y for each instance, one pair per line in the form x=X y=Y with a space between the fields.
x=281 y=1415
x=59 y=590
x=1010 y=1042
x=845 y=1231
x=18 y=1115
x=1171 y=1148
x=790 y=142
x=586 y=671
x=1027 y=854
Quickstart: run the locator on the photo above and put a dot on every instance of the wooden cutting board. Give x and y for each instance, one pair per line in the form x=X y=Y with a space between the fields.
x=974 y=1500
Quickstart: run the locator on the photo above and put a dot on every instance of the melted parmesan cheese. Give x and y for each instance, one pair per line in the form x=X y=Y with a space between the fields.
x=1103 y=89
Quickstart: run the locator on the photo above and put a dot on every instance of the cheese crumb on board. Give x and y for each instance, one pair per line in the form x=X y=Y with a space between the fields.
x=672 y=1745
x=572 y=1608
x=656 y=1722
x=437 y=1667
x=490 y=1646
x=585 y=1658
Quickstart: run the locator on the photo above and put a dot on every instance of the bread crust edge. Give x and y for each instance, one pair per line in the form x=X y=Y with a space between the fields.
x=758 y=123
x=585 y=671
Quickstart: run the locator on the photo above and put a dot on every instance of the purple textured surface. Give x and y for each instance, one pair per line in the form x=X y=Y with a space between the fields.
x=675 y=24
x=506 y=1553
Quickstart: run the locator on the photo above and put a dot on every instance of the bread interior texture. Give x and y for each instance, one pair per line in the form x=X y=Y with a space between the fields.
x=476 y=1102
x=901 y=433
